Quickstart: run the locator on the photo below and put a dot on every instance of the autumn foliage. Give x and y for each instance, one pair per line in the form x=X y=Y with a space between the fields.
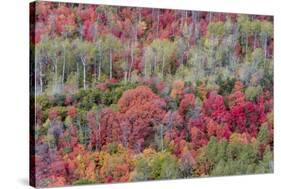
x=133 y=94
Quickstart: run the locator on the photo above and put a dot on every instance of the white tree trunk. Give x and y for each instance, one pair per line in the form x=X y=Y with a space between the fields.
x=56 y=70
x=161 y=133
x=132 y=62
x=163 y=65
x=110 y=63
x=99 y=74
x=265 y=47
x=84 y=72
x=158 y=20
x=40 y=77
x=77 y=72
x=125 y=76
x=155 y=63
x=63 y=67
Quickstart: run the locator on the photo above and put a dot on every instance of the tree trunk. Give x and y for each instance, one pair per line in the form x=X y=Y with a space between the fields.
x=132 y=63
x=84 y=75
x=40 y=76
x=246 y=44
x=78 y=74
x=265 y=47
x=99 y=72
x=154 y=64
x=163 y=65
x=95 y=68
x=110 y=64
x=158 y=20
x=63 y=67
x=125 y=76
x=161 y=133
x=139 y=18
x=255 y=40
x=144 y=62
x=210 y=17
x=56 y=70
x=83 y=61
x=182 y=20
x=55 y=84
x=99 y=137
x=97 y=116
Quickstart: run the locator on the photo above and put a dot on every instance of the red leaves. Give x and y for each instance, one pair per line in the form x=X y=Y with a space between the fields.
x=174 y=119
x=203 y=27
x=198 y=137
x=212 y=127
x=86 y=14
x=223 y=132
x=236 y=98
x=58 y=168
x=105 y=127
x=220 y=131
x=72 y=112
x=102 y=86
x=140 y=96
x=110 y=126
x=245 y=118
x=140 y=109
x=101 y=145
x=141 y=114
x=214 y=107
x=187 y=103
x=213 y=104
x=88 y=30
x=57 y=181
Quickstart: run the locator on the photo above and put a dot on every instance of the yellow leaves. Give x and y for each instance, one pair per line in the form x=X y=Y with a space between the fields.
x=143 y=25
x=203 y=91
x=148 y=151
x=79 y=157
x=177 y=88
x=90 y=171
x=207 y=43
x=116 y=167
x=237 y=138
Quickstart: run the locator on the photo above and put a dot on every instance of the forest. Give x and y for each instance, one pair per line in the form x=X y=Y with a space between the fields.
x=124 y=94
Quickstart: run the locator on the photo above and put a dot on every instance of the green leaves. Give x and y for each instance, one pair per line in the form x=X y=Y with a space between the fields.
x=263 y=135
x=160 y=165
x=233 y=158
x=132 y=94
x=216 y=28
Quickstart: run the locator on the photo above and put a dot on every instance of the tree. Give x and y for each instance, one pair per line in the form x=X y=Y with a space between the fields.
x=214 y=107
x=153 y=165
x=84 y=51
x=245 y=28
x=266 y=33
x=111 y=45
x=164 y=50
x=177 y=89
x=140 y=110
x=116 y=167
x=187 y=103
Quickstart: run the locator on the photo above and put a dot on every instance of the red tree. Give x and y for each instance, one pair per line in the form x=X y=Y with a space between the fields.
x=140 y=110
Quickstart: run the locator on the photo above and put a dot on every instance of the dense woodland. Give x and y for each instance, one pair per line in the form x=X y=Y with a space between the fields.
x=133 y=94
